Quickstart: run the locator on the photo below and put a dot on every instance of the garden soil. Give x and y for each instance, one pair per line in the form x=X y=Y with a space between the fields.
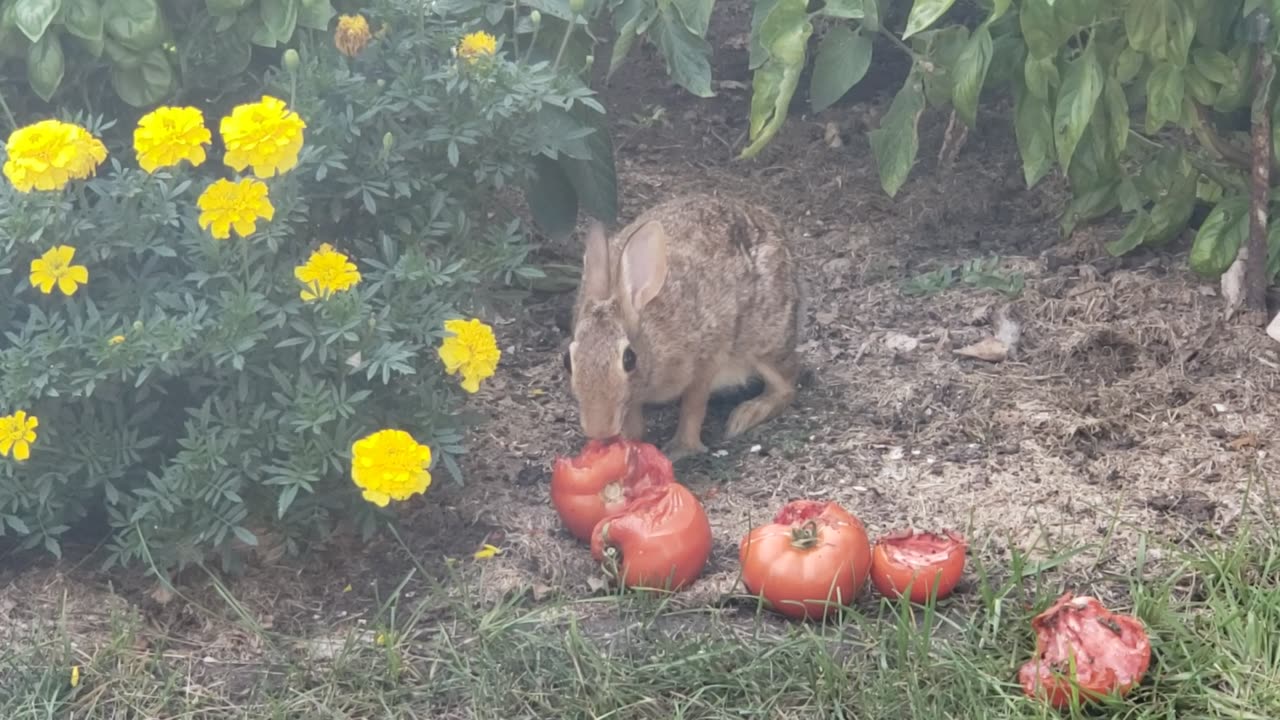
x=1127 y=419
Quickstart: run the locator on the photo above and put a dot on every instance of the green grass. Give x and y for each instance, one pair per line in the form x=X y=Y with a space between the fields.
x=1213 y=623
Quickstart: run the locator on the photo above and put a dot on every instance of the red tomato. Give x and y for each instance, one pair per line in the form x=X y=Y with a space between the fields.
x=602 y=479
x=661 y=539
x=918 y=559
x=1112 y=652
x=811 y=559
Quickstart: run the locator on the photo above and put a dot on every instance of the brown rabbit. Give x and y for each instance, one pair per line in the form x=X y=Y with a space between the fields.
x=697 y=295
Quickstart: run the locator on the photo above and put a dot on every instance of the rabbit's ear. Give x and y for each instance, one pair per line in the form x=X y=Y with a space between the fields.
x=595 y=263
x=644 y=264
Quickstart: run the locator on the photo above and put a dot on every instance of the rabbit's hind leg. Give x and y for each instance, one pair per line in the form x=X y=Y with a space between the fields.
x=779 y=390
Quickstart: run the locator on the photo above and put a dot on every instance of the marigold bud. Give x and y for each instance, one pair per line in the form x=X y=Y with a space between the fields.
x=291 y=60
x=577 y=6
x=535 y=17
x=388 y=141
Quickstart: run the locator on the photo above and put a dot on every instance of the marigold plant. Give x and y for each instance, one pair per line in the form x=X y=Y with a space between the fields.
x=203 y=364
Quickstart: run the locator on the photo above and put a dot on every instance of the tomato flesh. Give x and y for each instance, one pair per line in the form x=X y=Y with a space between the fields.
x=660 y=540
x=918 y=560
x=602 y=479
x=813 y=558
x=1111 y=652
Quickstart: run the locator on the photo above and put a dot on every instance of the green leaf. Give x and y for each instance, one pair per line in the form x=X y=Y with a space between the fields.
x=1077 y=100
x=844 y=55
x=551 y=198
x=871 y=18
x=1041 y=75
x=146 y=83
x=245 y=536
x=1041 y=28
x=970 y=72
x=280 y=18
x=687 y=55
x=1135 y=233
x=760 y=10
x=1165 y=91
x=594 y=179
x=1129 y=64
x=1172 y=212
x=224 y=8
x=696 y=14
x=1181 y=31
x=46 y=65
x=1033 y=127
x=287 y=496
x=628 y=17
x=896 y=142
x=135 y=24
x=316 y=14
x=1220 y=237
x=33 y=17
x=1200 y=88
x=925 y=13
x=783 y=34
x=83 y=19
x=1117 y=106
x=1214 y=65
x=847 y=9
x=942 y=48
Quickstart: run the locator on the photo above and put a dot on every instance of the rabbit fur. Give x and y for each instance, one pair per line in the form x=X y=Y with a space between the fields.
x=697 y=295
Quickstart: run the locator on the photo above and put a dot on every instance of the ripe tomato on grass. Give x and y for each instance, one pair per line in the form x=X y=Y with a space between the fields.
x=917 y=559
x=811 y=559
x=602 y=478
x=660 y=539
x=1111 y=652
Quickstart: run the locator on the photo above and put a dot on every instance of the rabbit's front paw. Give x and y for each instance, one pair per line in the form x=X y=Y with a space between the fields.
x=677 y=450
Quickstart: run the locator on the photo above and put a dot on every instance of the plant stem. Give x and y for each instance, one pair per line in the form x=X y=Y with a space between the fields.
x=905 y=47
x=13 y=122
x=564 y=42
x=515 y=30
x=1255 y=271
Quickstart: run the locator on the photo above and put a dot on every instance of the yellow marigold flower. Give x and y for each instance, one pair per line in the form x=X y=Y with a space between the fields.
x=477 y=45
x=265 y=134
x=48 y=154
x=55 y=268
x=487 y=552
x=168 y=135
x=225 y=205
x=390 y=465
x=115 y=340
x=352 y=34
x=327 y=271
x=17 y=432
x=75 y=675
x=472 y=350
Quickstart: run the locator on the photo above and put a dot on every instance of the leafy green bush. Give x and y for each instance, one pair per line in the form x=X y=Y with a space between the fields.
x=150 y=49
x=1138 y=102
x=189 y=393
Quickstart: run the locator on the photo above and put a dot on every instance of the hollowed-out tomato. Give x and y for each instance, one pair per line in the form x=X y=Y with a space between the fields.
x=1110 y=652
x=600 y=480
x=918 y=560
x=811 y=559
x=660 y=539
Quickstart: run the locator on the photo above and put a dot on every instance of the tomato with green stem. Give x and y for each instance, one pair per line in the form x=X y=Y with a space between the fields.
x=1084 y=650
x=919 y=561
x=813 y=558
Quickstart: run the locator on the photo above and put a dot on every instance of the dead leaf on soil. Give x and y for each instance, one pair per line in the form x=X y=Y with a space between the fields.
x=597 y=583
x=831 y=135
x=988 y=349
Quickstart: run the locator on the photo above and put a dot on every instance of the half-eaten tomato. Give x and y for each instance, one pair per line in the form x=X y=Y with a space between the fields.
x=661 y=539
x=920 y=560
x=1110 y=652
x=813 y=558
x=602 y=479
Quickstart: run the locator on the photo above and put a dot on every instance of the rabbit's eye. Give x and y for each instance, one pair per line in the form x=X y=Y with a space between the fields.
x=628 y=360
x=568 y=362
